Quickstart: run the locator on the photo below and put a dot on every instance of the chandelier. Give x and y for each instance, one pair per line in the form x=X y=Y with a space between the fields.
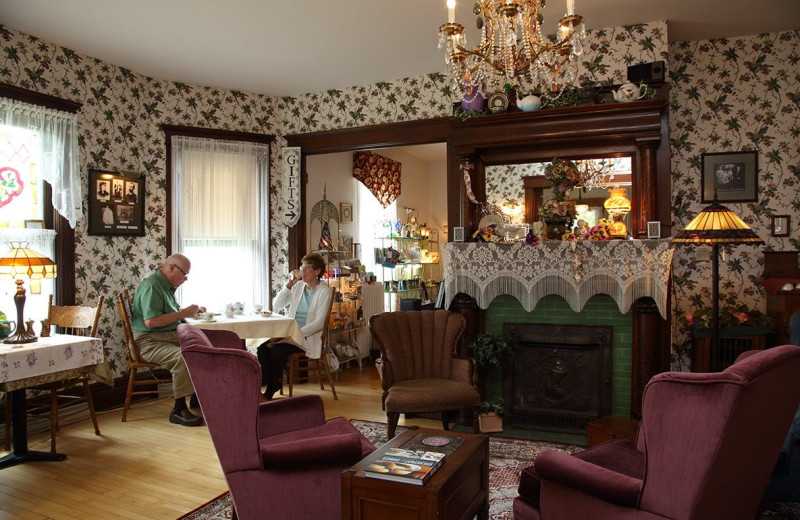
x=512 y=49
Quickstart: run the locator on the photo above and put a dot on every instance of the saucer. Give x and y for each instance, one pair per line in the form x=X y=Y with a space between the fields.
x=212 y=320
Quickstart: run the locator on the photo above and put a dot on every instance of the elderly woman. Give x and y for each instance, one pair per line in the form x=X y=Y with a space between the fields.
x=308 y=301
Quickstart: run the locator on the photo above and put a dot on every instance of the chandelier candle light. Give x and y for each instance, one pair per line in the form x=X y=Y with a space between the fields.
x=19 y=262
x=512 y=48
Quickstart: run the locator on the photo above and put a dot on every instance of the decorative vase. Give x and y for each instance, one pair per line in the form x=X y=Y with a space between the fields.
x=490 y=422
x=557 y=227
x=472 y=100
x=530 y=103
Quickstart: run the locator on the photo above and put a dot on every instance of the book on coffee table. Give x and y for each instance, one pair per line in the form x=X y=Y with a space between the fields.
x=415 y=461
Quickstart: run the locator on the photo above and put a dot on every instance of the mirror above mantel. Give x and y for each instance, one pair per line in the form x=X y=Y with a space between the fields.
x=636 y=131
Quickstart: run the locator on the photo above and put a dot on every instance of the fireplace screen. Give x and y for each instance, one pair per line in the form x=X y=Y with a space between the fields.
x=560 y=377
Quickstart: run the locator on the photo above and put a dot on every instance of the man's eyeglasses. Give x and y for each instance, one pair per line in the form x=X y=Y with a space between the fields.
x=305 y=267
x=185 y=274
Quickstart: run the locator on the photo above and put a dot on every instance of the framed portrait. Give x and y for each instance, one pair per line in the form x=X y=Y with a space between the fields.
x=732 y=175
x=116 y=203
x=346 y=211
x=780 y=225
x=34 y=224
x=653 y=229
x=458 y=234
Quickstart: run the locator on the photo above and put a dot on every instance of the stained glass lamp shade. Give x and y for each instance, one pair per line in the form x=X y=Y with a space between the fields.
x=19 y=263
x=713 y=226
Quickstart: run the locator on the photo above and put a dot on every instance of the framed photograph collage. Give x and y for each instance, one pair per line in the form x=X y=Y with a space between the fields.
x=116 y=203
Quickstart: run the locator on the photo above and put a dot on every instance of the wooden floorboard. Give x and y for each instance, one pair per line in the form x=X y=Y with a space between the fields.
x=148 y=468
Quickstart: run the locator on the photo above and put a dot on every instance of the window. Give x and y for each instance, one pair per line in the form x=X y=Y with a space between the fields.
x=220 y=220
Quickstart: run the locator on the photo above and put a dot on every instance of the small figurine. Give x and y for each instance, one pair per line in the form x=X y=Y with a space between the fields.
x=581 y=228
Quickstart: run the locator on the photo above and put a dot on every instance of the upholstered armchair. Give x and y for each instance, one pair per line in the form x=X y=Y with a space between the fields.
x=419 y=371
x=281 y=459
x=706 y=447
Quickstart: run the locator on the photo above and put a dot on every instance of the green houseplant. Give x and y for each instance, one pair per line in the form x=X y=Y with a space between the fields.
x=491 y=416
x=490 y=351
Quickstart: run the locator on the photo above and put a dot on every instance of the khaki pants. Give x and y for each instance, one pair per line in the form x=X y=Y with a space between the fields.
x=164 y=348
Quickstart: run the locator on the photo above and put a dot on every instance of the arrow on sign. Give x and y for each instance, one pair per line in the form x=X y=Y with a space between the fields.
x=290 y=215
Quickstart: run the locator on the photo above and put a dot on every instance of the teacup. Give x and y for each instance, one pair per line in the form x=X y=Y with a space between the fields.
x=6 y=327
x=257 y=308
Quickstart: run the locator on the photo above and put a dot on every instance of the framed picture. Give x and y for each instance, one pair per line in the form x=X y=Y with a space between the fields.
x=780 y=225
x=653 y=229
x=458 y=234
x=116 y=203
x=346 y=211
x=34 y=224
x=732 y=175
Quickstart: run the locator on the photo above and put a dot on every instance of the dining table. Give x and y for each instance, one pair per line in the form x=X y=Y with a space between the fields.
x=253 y=325
x=55 y=358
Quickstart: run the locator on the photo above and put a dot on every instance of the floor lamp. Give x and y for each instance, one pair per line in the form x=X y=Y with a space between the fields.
x=22 y=262
x=713 y=226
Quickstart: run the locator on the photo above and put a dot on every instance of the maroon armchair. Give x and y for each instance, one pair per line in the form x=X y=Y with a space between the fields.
x=281 y=459
x=706 y=447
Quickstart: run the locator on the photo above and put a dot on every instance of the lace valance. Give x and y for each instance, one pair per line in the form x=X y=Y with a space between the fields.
x=624 y=269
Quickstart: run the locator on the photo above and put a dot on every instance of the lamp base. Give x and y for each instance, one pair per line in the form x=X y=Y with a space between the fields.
x=19 y=338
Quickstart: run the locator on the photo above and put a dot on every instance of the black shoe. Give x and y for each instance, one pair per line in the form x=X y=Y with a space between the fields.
x=269 y=392
x=193 y=402
x=185 y=418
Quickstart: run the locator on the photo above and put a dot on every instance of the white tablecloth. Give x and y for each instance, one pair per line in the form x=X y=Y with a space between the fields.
x=255 y=326
x=60 y=356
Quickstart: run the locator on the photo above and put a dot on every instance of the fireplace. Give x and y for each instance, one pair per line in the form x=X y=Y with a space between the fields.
x=560 y=376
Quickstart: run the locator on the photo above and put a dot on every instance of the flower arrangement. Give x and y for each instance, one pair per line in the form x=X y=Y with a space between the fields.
x=555 y=208
x=739 y=316
x=564 y=175
x=487 y=234
x=601 y=231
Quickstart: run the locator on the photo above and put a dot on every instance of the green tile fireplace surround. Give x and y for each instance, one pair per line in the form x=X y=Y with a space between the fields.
x=599 y=310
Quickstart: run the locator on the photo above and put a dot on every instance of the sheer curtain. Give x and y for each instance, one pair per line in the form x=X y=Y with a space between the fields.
x=220 y=220
x=58 y=150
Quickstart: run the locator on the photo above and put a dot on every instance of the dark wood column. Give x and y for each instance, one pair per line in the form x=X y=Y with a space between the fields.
x=650 y=349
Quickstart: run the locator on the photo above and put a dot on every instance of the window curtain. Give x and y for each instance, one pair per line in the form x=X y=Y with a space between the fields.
x=58 y=150
x=379 y=174
x=220 y=219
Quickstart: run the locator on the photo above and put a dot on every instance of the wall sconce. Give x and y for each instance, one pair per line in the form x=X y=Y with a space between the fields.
x=618 y=207
x=425 y=232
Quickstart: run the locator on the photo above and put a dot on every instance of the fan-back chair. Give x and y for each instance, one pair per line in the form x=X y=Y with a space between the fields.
x=420 y=371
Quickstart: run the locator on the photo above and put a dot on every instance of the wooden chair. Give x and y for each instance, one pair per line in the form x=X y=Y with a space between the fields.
x=77 y=320
x=135 y=361
x=302 y=368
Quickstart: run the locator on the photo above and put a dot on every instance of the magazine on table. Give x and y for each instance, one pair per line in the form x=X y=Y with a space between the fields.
x=415 y=461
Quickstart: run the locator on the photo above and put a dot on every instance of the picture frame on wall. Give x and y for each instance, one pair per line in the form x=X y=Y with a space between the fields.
x=780 y=225
x=732 y=175
x=346 y=211
x=116 y=203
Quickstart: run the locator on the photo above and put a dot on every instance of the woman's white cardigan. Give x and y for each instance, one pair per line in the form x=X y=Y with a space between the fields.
x=317 y=317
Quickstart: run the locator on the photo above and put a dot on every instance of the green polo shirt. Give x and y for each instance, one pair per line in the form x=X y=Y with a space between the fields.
x=154 y=297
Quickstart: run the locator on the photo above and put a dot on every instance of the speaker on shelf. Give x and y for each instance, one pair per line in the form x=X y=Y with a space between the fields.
x=646 y=72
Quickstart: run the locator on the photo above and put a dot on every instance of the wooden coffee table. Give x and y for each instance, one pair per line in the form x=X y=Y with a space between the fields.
x=457 y=491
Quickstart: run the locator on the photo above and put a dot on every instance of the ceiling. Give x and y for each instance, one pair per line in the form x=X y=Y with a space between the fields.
x=276 y=47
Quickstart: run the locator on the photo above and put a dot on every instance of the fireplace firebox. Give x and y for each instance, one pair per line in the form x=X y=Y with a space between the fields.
x=560 y=377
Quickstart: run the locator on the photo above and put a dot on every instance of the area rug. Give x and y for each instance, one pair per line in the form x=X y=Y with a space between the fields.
x=507 y=457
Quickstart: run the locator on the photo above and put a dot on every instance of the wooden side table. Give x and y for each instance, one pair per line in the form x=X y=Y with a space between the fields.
x=610 y=427
x=458 y=490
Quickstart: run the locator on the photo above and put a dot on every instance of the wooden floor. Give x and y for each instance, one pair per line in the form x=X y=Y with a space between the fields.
x=148 y=468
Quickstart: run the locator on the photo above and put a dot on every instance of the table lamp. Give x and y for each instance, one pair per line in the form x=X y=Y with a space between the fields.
x=18 y=263
x=713 y=226
x=617 y=205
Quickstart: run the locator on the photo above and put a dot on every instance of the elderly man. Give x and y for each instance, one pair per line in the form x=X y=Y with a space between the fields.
x=156 y=315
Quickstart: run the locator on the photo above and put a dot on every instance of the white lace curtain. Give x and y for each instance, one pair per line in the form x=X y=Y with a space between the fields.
x=220 y=219
x=58 y=150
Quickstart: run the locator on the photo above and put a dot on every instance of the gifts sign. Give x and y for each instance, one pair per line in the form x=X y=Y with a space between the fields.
x=291 y=185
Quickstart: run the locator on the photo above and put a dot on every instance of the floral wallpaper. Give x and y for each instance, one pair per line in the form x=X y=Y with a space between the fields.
x=122 y=113
x=733 y=95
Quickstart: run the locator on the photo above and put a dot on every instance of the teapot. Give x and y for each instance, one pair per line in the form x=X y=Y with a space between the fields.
x=6 y=327
x=530 y=103
x=629 y=92
x=238 y=307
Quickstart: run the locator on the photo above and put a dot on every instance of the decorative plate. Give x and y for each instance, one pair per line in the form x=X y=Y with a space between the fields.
x=488 y=220
x=435 y=441
x=498 y=103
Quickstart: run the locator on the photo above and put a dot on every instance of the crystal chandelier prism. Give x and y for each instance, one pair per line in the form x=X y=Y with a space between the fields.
x=512 y=48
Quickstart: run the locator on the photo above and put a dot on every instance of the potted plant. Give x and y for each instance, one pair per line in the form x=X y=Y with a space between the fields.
x=489 y=350
x=491 y=416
